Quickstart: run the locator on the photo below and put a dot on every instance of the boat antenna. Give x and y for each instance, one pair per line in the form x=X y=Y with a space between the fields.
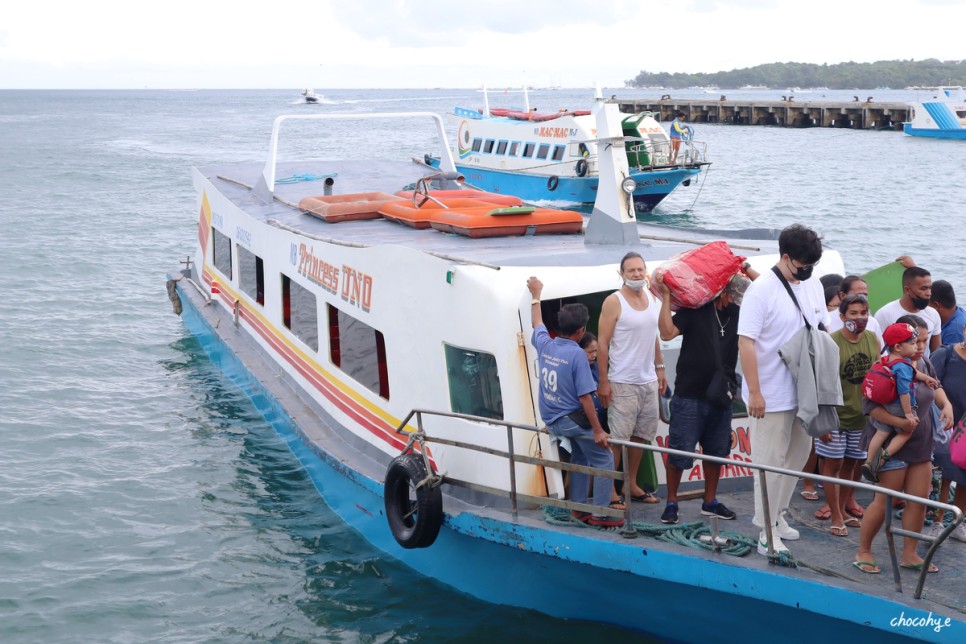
x=612 y=221
x=526 y=99
x=486 y=102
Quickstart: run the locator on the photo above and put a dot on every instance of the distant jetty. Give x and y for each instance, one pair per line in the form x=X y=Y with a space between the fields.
x=860 y=114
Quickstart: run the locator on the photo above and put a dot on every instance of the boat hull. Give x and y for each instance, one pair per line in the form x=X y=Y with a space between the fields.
x=560 y=572
x=934 y=133
x=652 y=186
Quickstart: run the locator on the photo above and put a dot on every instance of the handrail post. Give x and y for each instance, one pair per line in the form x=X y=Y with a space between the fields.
x=628 y=531
x=513 y=471
x=890 y=539
x=766 y=511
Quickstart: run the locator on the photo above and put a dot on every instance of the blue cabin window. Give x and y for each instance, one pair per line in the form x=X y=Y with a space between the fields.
x=477 y=144
x=558 y=152
x=501 y=147
x=543 y=151
x=514 y=147
x=528 y=150
x=488 y=146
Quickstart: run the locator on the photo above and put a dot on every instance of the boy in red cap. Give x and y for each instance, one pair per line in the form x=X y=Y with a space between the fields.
x=900 y=341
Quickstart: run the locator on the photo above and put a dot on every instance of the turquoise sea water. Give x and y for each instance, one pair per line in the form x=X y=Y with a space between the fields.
x=141 y=495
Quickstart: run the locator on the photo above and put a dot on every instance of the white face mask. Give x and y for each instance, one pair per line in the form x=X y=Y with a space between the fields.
x=635 y=285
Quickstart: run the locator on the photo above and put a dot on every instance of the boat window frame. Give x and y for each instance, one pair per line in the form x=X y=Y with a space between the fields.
x=244 y=284
x=543 y=151
x=484 y=403
x=514 y=148
x=294 y=293
x=223 y=241
x=528 y=149
x=359 y=370
x=488 y=146
x=501 y=146
x=477 y=144
x=558 y=152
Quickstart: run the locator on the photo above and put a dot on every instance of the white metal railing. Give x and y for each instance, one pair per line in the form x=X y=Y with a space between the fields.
x=421 y=437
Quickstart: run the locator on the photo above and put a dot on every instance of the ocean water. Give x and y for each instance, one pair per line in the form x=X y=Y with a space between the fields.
x=142 y=498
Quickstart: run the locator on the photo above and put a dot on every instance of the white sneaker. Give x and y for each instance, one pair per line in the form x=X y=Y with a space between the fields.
x=763 y=544
x=784 y=530
x=959 y=534
x=934 y=530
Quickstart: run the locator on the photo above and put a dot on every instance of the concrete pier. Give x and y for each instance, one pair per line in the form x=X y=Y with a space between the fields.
x=860 y=115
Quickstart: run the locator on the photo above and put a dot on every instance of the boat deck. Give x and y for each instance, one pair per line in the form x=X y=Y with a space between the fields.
x=659 y=242
x=822 y=557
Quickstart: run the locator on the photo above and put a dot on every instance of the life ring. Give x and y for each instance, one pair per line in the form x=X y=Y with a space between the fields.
x=581 y=168
x=552 y=183
x=415 y=523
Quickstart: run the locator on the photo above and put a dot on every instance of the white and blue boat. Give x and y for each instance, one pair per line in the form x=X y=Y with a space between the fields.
x=943 y=117
x=394 y=362
x=554 y=156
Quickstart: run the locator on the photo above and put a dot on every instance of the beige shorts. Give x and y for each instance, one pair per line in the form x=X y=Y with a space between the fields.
x=633 y=411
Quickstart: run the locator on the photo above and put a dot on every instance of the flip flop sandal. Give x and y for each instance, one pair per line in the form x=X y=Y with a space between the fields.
x=809 y=495
x=856 y=512
x=861 y=566
x=853 y=522
x=918 y=567
x=647 y=497
x=823 y=514
x=839 y=531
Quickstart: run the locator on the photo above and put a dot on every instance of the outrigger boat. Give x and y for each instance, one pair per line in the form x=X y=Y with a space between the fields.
x=553 y=156
x=394 y=362
x=941 y=118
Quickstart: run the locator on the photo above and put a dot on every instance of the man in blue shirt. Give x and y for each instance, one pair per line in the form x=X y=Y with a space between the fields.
x=566 y=403
x=678 y=133
x=953 y=317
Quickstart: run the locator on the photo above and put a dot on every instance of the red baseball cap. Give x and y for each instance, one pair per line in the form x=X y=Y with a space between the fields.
x=898 y=333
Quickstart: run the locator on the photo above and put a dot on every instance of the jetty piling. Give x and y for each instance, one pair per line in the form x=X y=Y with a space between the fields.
x=858 y=115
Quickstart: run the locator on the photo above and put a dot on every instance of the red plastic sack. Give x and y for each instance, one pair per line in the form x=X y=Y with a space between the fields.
x=879 y=383
x=696 y=277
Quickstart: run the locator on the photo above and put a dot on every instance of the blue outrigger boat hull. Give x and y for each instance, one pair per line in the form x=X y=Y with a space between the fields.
x=638 y=584
x=652 y=186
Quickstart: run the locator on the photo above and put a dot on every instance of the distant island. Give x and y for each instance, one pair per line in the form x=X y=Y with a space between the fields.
x=896 y=74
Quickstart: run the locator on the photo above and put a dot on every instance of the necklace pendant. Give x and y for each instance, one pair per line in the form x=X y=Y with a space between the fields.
x=722 y=333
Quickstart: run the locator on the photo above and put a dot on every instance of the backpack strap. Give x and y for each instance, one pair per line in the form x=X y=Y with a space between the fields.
x=788 y=289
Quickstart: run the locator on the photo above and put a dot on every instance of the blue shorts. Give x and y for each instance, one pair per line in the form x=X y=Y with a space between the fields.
x=893 y=464
x=696 y=421
x=845 y=443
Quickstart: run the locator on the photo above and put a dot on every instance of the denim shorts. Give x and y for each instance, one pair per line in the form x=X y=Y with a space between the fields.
x=893 y=464
x=694 y=421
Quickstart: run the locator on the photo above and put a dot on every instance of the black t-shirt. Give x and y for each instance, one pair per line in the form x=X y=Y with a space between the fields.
x=700 y=331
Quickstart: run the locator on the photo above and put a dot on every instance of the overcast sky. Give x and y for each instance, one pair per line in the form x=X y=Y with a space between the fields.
x=451 y=43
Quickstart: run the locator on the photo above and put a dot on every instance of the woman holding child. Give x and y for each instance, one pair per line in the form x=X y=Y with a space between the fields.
x=908 y=469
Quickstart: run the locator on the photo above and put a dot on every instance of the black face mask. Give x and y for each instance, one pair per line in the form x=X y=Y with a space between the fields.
x=802 y=274
x=919 y=302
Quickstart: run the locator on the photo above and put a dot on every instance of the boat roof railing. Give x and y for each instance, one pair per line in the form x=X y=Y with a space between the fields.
x=420 y=437
x=265 y=188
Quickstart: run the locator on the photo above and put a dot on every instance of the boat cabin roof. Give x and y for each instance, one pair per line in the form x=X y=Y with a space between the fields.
x=658 y=242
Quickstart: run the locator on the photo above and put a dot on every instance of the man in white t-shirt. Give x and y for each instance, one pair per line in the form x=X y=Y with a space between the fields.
x=916 y=292
x=769 y=319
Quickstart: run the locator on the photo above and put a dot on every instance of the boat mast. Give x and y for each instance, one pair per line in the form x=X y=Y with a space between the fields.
x=612 y=221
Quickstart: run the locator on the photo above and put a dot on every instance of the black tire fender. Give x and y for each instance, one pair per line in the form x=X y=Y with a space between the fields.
x=581 y=168
x=552 y=183
x=415 y=514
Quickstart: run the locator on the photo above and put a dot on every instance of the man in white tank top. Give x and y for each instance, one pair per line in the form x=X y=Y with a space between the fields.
x=631 y=366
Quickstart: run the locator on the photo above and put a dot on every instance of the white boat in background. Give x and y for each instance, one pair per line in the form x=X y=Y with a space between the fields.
x=310 y=96
x=554 y=156
x=943 y=117
x=393 y=360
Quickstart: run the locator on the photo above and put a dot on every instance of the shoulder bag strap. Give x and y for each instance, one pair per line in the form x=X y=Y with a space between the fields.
x=788 y=288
